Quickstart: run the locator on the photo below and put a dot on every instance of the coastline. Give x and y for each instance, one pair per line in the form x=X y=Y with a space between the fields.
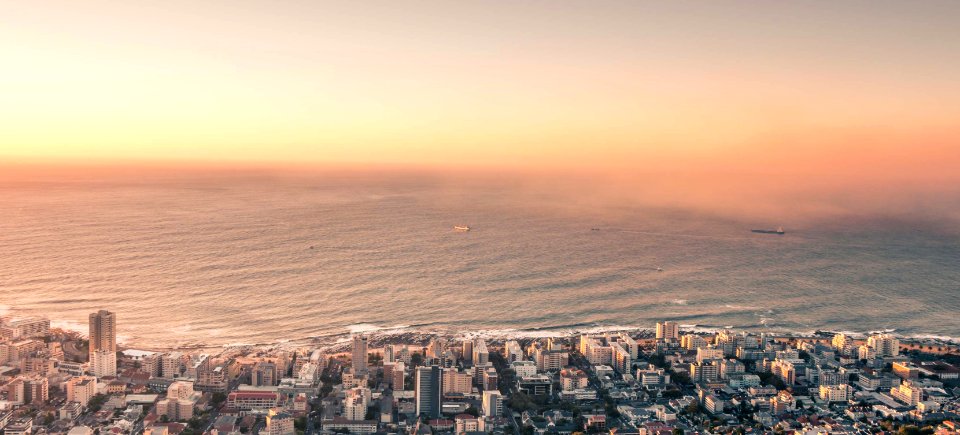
x=337 y=343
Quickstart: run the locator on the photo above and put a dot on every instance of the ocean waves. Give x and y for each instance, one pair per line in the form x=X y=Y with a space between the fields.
x=306 y=264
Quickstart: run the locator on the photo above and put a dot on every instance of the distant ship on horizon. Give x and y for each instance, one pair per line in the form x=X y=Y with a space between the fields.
x=779 y=231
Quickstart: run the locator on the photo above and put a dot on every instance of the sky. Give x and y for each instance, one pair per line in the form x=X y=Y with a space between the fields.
x=834 y=92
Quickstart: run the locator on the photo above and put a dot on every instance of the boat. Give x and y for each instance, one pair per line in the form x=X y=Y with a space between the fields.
x=659 y=269
x=461 y=228
x=594 y=229
x=779 y=231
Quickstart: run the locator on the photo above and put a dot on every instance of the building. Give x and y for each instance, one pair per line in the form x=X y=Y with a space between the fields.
x=512 y=351
x=906 y=370
x=428 y=389
x=103 y=363
x=668 y=330
x=492 y=403
x=28 y=328
x=464 y=423
x=171 y=364
x=884 y=344
x=481 y=356
x=19 y=427
x=843 y=344
x=708 y=353
x=352 y=426
x=252 y=400
x=356 y=402
x=359 y=357
x=36 y=390
x=103 y=333
x=785 y=370
x=707 y=371
x=551 y=360
x=692 y=342
x=396 y=375
x=457 y=382
x=539 y=385
x=573 y=379
x=835 y=393
x=491 y=380
x=782 y=402
x=81 y=389
x=263 y=374
x=621 y=359
x=524 y=368
x=908 y=393
x=279 y=423
x=212 y=379
x=180 y=401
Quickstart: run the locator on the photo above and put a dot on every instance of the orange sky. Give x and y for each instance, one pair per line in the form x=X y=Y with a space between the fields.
x=864 y=88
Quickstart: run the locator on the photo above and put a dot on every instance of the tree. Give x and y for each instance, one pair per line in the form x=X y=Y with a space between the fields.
x=472 y=410
x=217 y=399
x=693 y=408
x=520 y=402
x=416 y=359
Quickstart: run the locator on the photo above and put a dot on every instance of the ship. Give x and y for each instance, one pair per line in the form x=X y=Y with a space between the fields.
x=461 y=228
x=779 y=231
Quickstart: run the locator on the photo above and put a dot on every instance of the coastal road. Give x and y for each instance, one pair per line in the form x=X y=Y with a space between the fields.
x=71 y=349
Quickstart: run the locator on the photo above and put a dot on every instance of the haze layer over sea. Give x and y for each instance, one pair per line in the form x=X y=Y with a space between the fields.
x=261 y=259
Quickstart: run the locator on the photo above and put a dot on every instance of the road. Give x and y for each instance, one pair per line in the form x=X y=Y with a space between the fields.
x=70 y=349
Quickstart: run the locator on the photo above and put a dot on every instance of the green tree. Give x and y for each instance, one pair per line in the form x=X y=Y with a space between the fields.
x=217 y=399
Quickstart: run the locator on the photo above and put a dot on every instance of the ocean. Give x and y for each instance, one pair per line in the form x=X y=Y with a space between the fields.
x=264 y=259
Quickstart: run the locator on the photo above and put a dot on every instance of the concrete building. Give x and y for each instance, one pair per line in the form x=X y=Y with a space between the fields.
x=524 y=368
x=103 y=363
x=835 y=393
x=512 y=351
x=573 y=379
x=263 y=374
x=457 y=382
x=692 y=342
x=621 y=359
x=492 y=403
x=428 y=390
x=668 y=331
x=884 y=344
x=81 y=389
x=481 y=356
x=359 y=356
x=103 y=332
x=279 y=423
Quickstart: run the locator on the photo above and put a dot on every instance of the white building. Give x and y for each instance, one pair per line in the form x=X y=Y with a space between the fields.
x=492 y=403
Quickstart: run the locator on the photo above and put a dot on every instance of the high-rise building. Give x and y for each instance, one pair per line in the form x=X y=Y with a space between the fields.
x=480 y=354
x=393 y=375
x=668 y=331
x=884 y=344
x=103 y=332
x=359 y=362
x=264 y=374
x=81 y=389
x=279 y=423
x=428 y=391
x=103 y=363
x=467 y=351
x=492 y=403
x=455 y=381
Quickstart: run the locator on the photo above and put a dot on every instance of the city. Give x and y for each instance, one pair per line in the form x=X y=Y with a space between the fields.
x=663 y=381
